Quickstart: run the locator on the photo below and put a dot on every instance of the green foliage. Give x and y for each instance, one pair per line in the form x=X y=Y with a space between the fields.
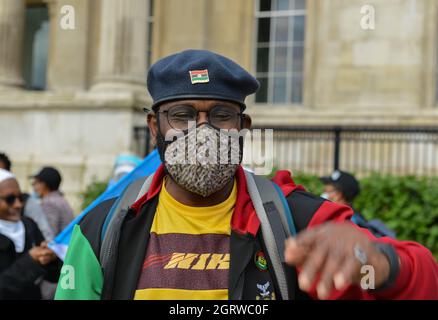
x=309 y=182
x=94 y=190
x=408 y=205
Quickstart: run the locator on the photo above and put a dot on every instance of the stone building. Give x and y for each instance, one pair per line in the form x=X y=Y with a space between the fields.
x=73 y=72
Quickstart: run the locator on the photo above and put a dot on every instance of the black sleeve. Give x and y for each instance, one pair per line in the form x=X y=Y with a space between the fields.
x=38 y=235
x=92 y=224
x=303 y=206
x=15 y=279
x=53 y=270
x=34 y=236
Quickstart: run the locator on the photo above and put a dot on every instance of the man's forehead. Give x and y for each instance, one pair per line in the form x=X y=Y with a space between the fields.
x=330 y=186
x=9 y=186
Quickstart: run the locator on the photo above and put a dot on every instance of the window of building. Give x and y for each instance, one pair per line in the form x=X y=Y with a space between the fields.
x=280 y=50
x=36 y=45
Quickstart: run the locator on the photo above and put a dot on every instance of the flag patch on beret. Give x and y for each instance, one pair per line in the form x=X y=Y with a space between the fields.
x=199 y=76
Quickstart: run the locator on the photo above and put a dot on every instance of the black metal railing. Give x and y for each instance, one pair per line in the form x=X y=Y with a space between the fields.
x=362 y=150
x=142 y=142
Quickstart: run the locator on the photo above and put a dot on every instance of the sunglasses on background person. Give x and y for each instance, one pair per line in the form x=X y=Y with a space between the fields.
x=10 y=199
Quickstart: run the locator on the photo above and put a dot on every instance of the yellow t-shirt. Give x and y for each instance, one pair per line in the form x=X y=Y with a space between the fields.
x=188 y=253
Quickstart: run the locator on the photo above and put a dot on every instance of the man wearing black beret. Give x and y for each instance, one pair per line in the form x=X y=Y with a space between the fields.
x=197 y=230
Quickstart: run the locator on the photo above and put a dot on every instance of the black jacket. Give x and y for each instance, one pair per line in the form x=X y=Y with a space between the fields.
x=117 y=275
x=19 y=273
x=244 y=277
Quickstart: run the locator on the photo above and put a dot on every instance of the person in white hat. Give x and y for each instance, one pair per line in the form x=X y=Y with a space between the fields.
x=25 y=259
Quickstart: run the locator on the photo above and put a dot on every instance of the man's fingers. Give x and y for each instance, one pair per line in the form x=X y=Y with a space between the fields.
x=47 y=250
x=308 y=237
x=297 y=248
x=312 y=266
x=348 y=273
x=44 y=260
x=294 y=254
x=326 y=281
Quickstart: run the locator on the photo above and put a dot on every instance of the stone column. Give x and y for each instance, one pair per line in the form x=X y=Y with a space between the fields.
x=67 y=66
x=12 y=15
x=122 y=46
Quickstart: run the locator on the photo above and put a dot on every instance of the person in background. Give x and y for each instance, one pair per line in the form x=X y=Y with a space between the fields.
x=5 y=163
x=31 y=208
x=342 y=187
x=124 y=164
x=25 y=259
x=46 y=185
x=56 y=208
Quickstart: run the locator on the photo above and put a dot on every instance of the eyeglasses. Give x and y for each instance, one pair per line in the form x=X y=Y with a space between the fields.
x=220 y=116
x=10 y=199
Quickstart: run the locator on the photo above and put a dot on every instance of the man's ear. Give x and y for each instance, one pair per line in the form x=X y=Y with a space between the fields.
x=153 y=126
x=246 y=121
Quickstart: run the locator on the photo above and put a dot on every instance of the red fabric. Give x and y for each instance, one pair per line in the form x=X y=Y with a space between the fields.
x=284 y=180
x=154 y=189
x=418 y=277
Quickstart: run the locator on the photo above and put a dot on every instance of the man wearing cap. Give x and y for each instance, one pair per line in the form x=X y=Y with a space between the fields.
x=25 y=259
x=195 y=234
x=46 y=185
x=342 y=187
x=56 y=209
x=32 y=207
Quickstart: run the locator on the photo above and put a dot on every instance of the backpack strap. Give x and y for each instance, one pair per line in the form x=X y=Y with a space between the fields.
x=111 y=229
x=280 y=202
x=280 y=218
x=123 y=201
x=267 y=205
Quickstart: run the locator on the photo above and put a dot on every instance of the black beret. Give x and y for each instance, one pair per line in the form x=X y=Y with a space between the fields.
x=199 y=74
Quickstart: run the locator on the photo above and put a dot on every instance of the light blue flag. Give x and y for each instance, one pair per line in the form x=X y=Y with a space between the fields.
x=148 y=166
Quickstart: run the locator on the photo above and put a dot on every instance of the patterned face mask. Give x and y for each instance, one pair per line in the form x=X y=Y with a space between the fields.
x=202 y=160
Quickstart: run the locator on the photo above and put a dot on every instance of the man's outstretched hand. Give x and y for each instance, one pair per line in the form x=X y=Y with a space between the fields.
x=331 y=254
